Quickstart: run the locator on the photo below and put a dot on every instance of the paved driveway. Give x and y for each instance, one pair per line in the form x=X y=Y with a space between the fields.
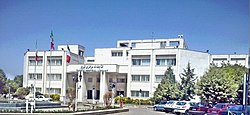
x=142 y=111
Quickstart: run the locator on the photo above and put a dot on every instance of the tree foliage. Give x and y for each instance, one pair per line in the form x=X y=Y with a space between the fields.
x=21 y=92
x=2 y=81
x=188 y=83
x=168 y=88
x=220 y=84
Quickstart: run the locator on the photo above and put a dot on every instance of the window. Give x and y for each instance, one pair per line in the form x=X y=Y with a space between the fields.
x=138 y=94
x=140 y=60
x=219 y=59
x=124 y=44
x=238 y=59
x=90 y=79
x=98 y=79
x=55 y=60
x=37 y=76
x=32 y=61
x=90 y=60
x=133 y=45
x=38 y=89
x=116 y=53
x=54 y=90
x=110 y=80
x=169 y=60
x=139 y=78
x=121 y=80
x=81 y=53
x=174 y=43
x=54 y=77
x=163 y=44
x=158 y=78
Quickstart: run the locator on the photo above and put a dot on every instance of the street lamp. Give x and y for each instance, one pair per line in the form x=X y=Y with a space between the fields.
x=93 y=94
x=77 y=79
x=140 y=96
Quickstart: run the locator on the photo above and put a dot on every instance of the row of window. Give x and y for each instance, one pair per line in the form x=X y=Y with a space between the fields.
x=118 y=80
x=139 y=94
x=52 y=90
x=145 y=78
x=225 y=59
x=162 y=62
x=52 y=77
x=54 y=61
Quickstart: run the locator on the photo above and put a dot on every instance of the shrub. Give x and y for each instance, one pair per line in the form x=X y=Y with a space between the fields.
x=55 y=97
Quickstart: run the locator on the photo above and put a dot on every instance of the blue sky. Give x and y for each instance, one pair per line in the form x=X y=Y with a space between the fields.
x=221 y=26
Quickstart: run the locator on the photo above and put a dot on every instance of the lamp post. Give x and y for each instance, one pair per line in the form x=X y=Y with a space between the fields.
x=113 y=87
x=93 y=94
x=77 y=79
x=140 y=96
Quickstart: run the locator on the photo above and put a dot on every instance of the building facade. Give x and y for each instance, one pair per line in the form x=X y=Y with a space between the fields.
x=134 y=67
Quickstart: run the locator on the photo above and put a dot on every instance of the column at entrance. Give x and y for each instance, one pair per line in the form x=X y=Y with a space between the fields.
x=103 y=85
x=82 y=91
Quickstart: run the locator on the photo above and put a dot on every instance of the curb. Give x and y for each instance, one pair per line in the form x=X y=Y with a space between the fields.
x=109 y=111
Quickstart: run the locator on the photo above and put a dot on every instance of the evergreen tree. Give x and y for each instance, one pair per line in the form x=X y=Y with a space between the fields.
x=221 y=84
x=2 y=81
x=168 y=88
x=188 y=83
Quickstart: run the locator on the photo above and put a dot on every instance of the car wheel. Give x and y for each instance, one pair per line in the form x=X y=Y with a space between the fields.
x=155 y=109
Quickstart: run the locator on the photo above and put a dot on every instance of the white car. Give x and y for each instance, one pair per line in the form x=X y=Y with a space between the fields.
x=38 y=98
x=183 y=107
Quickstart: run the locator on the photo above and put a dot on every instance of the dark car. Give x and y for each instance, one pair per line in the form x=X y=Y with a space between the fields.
x=235 y=110
x=199 y=109
x=218 y=108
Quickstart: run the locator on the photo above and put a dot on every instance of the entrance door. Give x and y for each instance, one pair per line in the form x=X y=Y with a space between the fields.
x=89 y=94
x=97 y=96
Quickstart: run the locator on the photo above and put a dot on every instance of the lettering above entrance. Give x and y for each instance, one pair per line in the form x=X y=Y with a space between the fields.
x=92 y=68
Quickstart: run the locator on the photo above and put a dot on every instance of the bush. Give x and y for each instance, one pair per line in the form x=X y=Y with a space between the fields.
x=55 y=97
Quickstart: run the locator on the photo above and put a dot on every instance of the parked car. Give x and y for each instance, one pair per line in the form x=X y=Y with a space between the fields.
x=199 y=109
x=182 y=107
x=235 y=110
x=170 y=106
x=160 y=106
x=218 y=108
x=38 y=98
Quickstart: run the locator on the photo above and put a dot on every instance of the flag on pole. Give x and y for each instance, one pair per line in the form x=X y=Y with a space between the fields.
x=68 y=58
x=52 y=41
x=36 y=52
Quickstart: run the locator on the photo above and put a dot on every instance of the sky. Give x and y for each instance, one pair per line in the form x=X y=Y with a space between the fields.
x=220 y=26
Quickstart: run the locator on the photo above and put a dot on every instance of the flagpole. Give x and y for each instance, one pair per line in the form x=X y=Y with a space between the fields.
x=49 y=73
x=34 y=90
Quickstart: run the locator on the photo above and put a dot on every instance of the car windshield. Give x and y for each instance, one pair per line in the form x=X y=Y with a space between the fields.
x=219 y=106
x=180 y=103
x=163 y=102
x=235 y=108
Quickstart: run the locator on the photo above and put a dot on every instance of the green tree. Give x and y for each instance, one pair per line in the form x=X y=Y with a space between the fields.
x=188 y=83
x=19 y=80
x=168 y=88
x=220 y=84
x=21 y=92
x=2 y=81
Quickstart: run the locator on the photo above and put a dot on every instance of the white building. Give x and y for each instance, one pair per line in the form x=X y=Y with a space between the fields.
x=132 y=66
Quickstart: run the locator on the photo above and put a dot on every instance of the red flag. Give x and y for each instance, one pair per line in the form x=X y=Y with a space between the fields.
x=52 y=41
x=36 y=52
x=68 y=58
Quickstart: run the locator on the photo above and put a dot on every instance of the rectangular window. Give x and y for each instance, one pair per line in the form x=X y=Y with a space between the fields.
x=32 y=61
x=110 y=80
x=90 y=60
x=169 y=60
x=90 y=79
x=139 y=78
x=54 y=90
x=54 y=60
x=133 y=45
x=54 y=77
x=163 y=44
x=174 y=43
x=121 y=80
x=138 y=94
x=141 y=60
x=116 y=53
x=158 y=78
x=38 y=89
x=238 y=59
x=37 y=76
x=219 y=59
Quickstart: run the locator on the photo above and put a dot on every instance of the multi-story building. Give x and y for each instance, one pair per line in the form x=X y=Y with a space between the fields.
x=135 y=67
